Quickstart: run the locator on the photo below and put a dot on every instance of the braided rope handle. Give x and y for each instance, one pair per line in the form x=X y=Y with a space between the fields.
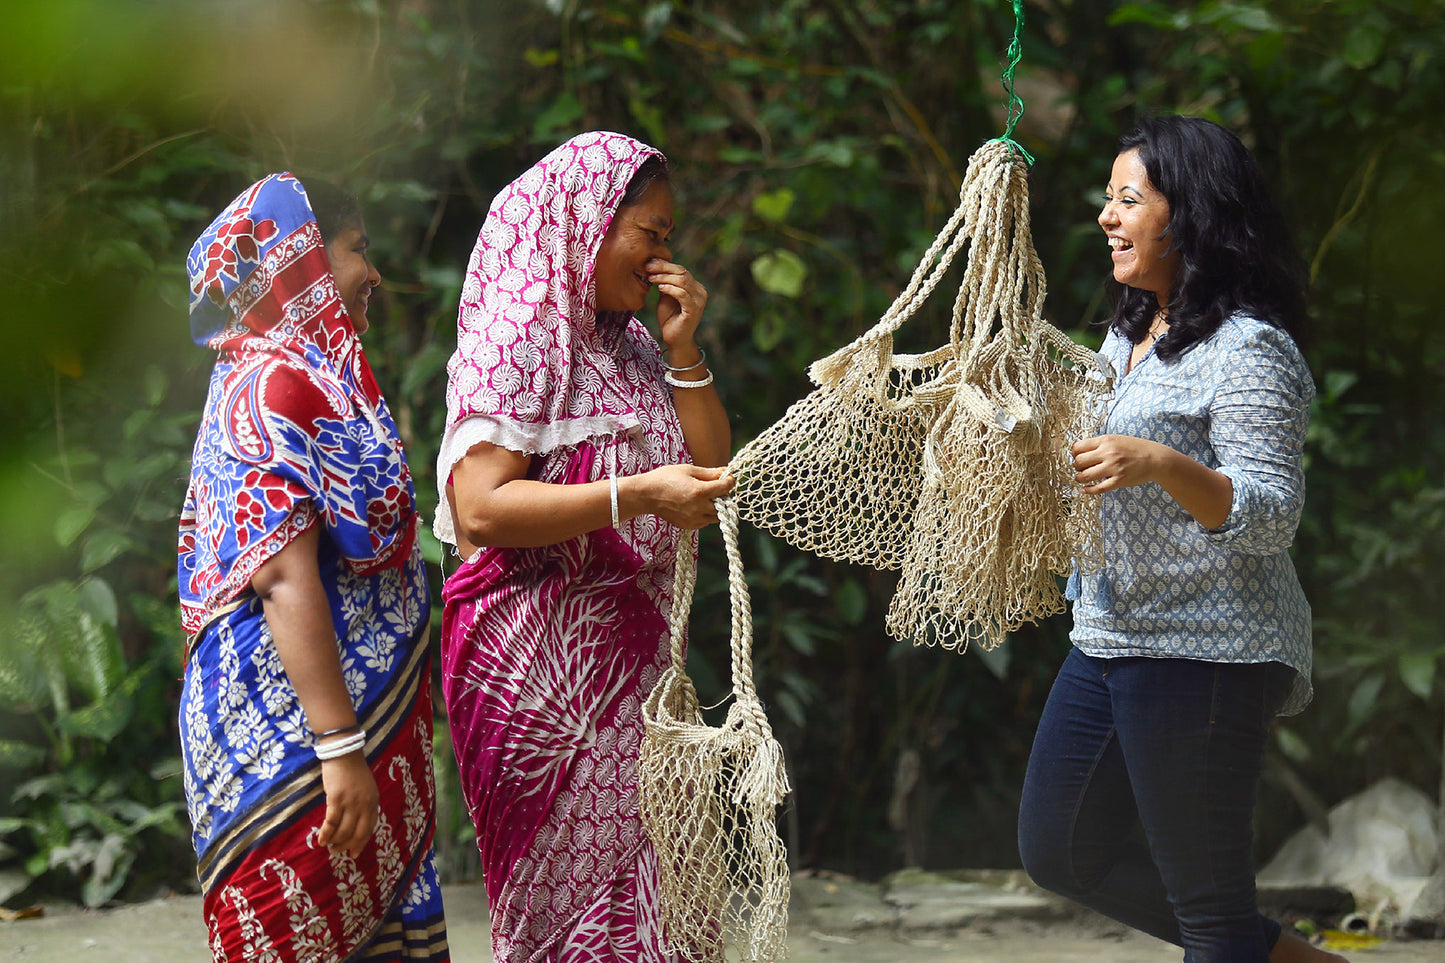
x=874 y=347
x=741 y=641
x=685 y=581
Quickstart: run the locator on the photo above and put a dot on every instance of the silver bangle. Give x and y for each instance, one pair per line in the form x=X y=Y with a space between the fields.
x=341 y=747
x=615 y=520
x=679 y=383
x=696 y=364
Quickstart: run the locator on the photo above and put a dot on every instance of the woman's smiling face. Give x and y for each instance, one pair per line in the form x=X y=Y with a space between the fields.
x=1135 y=218
x=355 y=274
x=638 y=233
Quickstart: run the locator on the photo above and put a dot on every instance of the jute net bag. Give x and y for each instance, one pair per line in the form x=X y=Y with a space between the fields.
x=999 y=517
x=838 y=475
x=708 y=795
x=951 y=465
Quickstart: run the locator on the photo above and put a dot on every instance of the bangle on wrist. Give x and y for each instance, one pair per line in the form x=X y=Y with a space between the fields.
x=336 y=732
x=702 y=358
x=342 y=747
x=613 y=490
x=680 y=383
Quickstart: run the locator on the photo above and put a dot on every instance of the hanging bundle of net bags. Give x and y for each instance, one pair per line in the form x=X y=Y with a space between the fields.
x=708 y=795
x=950 y=466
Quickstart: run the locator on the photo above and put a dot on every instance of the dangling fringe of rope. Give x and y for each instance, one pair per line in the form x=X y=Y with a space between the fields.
x=708 y=795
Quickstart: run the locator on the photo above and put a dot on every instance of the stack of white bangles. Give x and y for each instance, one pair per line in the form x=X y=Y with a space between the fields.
x=341 y=747
x=670 y=375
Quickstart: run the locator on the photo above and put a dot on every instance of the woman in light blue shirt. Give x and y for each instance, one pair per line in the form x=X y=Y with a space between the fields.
x=1196 y=633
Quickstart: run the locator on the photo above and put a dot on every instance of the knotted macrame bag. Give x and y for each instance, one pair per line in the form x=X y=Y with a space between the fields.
x=708 y=795
x=950 y=466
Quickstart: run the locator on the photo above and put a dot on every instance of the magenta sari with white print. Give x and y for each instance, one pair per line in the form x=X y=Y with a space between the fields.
x=548 y=653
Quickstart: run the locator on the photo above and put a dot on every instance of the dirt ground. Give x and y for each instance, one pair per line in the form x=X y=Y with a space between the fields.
x=170 y=931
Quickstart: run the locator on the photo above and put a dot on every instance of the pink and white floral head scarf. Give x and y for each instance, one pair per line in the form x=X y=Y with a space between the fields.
x=532 y=371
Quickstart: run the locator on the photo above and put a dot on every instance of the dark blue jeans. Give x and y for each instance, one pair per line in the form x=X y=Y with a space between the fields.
x=1174 y=746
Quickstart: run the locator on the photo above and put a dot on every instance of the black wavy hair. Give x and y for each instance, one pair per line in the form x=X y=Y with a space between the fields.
x=653 y=169
x=1235 y=250
x=334 y=206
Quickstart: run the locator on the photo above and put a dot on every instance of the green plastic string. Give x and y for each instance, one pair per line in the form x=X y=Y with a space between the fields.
x=1015 y=103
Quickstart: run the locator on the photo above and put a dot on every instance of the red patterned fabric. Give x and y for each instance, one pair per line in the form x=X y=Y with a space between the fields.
x=295 y=431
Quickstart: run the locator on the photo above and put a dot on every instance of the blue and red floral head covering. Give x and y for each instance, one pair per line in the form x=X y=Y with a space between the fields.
x=295 y=431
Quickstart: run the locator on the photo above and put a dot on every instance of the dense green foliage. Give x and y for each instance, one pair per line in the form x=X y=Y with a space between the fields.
x=817 y=147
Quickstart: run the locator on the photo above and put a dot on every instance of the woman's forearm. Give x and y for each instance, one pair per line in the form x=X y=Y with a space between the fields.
x=529 y=514
x=704 y=420
x=1201 y=491
x=495 y=504
x=704 y=425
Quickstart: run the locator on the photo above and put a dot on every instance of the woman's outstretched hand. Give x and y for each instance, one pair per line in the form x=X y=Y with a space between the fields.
x=1107 y=462
x=1110 y=462
x=683 y=494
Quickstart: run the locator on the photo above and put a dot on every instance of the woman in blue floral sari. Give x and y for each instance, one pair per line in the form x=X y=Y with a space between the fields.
x=306 y=711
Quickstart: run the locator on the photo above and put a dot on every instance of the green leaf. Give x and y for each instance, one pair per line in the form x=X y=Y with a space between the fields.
x=1363 y=699
x=1292 y=744
x=20 y=755
x=155 y=382
x=1364 y=45
x=97 y=599
x=110 y=865
x=563 y=113
x=739 y=156
x=71 y=522
x=780 y=272
x=769 y=329
x=541 y=58
x=1338 y=382
x=851 y=601
x=791 y=708
x=431 y=547
x=102 y=548
x=650 y=116
x=1417 y=671
x=1150 y=14
x=800 y=636
x=996 y=660
x=104 y=721
x=774 y=205
x=767 y=553
x=832 y=152
x=12 y=884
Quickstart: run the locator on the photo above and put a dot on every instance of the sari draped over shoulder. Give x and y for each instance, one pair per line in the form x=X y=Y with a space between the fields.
x=295 y=435
x=548 y=653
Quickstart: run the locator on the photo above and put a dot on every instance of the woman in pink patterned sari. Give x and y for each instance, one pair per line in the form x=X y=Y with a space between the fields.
x=571 y=464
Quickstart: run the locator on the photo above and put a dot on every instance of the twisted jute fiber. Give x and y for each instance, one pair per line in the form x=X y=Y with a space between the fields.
x=708 y=795
x=838 y=475
x=999 y=517
x=951 y=465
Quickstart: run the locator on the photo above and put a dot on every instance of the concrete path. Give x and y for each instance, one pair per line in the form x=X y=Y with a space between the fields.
x=925 y=920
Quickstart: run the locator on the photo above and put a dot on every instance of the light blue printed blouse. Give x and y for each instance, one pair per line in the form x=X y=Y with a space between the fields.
x=1237 y=402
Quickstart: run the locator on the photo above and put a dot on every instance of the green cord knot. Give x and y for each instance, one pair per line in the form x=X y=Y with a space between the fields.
x=1014 y=103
